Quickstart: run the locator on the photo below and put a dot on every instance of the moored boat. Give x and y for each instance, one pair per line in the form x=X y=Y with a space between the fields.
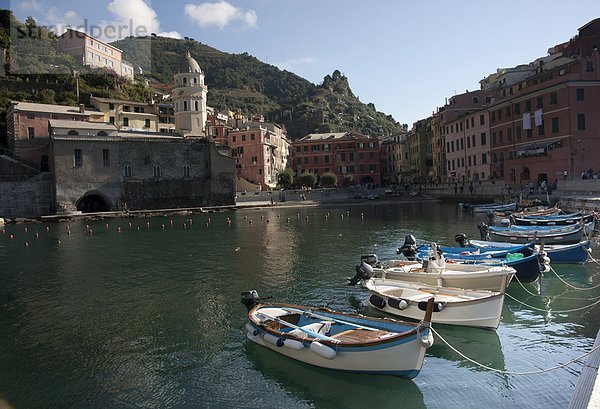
x=534 y=234
x=339 y=341
x=453 y=306
x=435 y=272
x=575 y=253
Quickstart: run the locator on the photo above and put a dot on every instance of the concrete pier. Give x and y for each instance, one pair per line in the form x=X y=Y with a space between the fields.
x=587 y=390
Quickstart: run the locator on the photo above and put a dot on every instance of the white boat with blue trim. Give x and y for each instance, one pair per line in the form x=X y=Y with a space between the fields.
x=339 y=341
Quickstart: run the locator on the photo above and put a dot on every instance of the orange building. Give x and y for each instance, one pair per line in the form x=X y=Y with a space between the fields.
x=347 y=155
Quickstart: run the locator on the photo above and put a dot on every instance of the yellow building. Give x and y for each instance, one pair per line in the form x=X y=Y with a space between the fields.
x=128 y=115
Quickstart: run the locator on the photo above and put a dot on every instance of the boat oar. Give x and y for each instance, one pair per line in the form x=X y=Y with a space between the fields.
x=307 y=331
x=324 y=317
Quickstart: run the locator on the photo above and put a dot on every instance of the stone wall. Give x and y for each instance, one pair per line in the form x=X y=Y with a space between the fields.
x=30 y=198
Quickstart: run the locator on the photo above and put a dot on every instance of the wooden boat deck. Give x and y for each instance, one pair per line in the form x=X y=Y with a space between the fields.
x=359 y=335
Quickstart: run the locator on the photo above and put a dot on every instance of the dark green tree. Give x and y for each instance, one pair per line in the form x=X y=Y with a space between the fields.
x=328 y=179
x=285 y=178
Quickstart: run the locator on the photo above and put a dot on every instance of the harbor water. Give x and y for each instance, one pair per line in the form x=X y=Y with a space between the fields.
x=130 y=313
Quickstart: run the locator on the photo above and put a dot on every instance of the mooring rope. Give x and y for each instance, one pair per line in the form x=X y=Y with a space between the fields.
x=537 y=372
x=526 y=290
x=572 y=286
x=590 y=306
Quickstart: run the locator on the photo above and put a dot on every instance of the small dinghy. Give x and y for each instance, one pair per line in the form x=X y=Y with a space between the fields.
x=340 y=341
x=453 y=306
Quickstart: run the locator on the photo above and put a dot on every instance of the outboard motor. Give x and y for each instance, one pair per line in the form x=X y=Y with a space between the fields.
x=483 y=230
x=490 y=213
x=250 y=299
x=364 y=271
x=462 y=239
x=409 y=248
x=370 y=259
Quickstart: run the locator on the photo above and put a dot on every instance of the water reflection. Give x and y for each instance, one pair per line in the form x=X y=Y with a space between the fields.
x=332 y=389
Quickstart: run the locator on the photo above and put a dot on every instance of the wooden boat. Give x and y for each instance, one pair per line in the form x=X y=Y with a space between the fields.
x=559 y=220
x=453 y=306
x=434 y=272
x=340 y=341
x=575 y=253
x=486 y=208
x=535 y=234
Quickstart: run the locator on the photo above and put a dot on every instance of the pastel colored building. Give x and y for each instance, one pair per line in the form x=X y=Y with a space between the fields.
x=551 y=122
x=27 y=129
x=261 y=152
x=127 y=115
x=347 y=155
x=93 y=53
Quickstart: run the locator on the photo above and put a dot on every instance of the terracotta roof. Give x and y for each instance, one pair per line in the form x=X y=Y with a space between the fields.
x=52 y=109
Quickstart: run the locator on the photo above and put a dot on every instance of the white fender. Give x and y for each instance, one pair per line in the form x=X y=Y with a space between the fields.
x=403 y=304
x=271 y=339
x=425 y=340
x=293 y=344
x=322 y=350
x=251 y=331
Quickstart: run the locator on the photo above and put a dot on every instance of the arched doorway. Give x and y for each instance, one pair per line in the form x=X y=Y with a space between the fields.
x=44 y=164
x=93 y=203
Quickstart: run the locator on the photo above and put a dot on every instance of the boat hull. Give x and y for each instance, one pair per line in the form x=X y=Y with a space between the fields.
x=483 y=312
x=567 y=253
x=397 y=355
x=459 y=275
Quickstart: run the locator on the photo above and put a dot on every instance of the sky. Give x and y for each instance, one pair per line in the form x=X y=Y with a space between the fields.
x=406 y=57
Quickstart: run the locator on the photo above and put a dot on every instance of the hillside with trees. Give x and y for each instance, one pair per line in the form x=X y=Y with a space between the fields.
x=40 y=72
x=242 y=82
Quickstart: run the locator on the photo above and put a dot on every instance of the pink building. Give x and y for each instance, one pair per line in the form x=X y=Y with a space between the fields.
x=261 y=151
x=91 y=52
x=551 y=121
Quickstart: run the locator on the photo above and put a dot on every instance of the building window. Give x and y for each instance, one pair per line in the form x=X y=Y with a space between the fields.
x=553 y=98
x=527 y=106
x=483 y=139
x=251 y=136
x=111 y=120
x=580 y=94
x=31 y=133
x=185 y=105
x=233 y=138
x=315 y=160
x=157 y=171
x=509 y=134
x=473 y=140
x=581 y=122
x=306 y=160
x=518 y=132
x=589 y=66
x=529 y=133
x=484 y=158
x=517 y=108
x=197 y=106
x=540 y=102
x=147 y=124
x=243 y=138
x=326 y=158
x=186 y=171
x=77 y=158
x=555 y=124
x=481 y=119
x=127 y=171
x=541 y=130
x=125 y=121
x=105 y=158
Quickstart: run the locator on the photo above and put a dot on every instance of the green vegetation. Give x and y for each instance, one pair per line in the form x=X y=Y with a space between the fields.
x=242 y=82
x=328 y=179
x=286 y=178
x=306 y=179
x=40 y=72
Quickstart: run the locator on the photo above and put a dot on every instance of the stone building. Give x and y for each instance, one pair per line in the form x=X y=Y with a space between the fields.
x=99 y=168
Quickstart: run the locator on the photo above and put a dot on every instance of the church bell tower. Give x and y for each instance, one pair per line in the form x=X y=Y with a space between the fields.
x=189 y=98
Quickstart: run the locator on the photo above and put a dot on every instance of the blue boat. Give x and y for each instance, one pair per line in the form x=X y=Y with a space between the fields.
x=577 y=253
x=527 y=261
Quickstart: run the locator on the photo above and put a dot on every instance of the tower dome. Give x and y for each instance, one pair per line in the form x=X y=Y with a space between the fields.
x=189 y=65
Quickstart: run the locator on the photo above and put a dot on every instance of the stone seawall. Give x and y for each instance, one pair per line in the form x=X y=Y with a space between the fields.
x=31 y=198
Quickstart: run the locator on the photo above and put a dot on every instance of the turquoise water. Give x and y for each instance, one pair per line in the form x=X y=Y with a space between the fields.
x=151 y=316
